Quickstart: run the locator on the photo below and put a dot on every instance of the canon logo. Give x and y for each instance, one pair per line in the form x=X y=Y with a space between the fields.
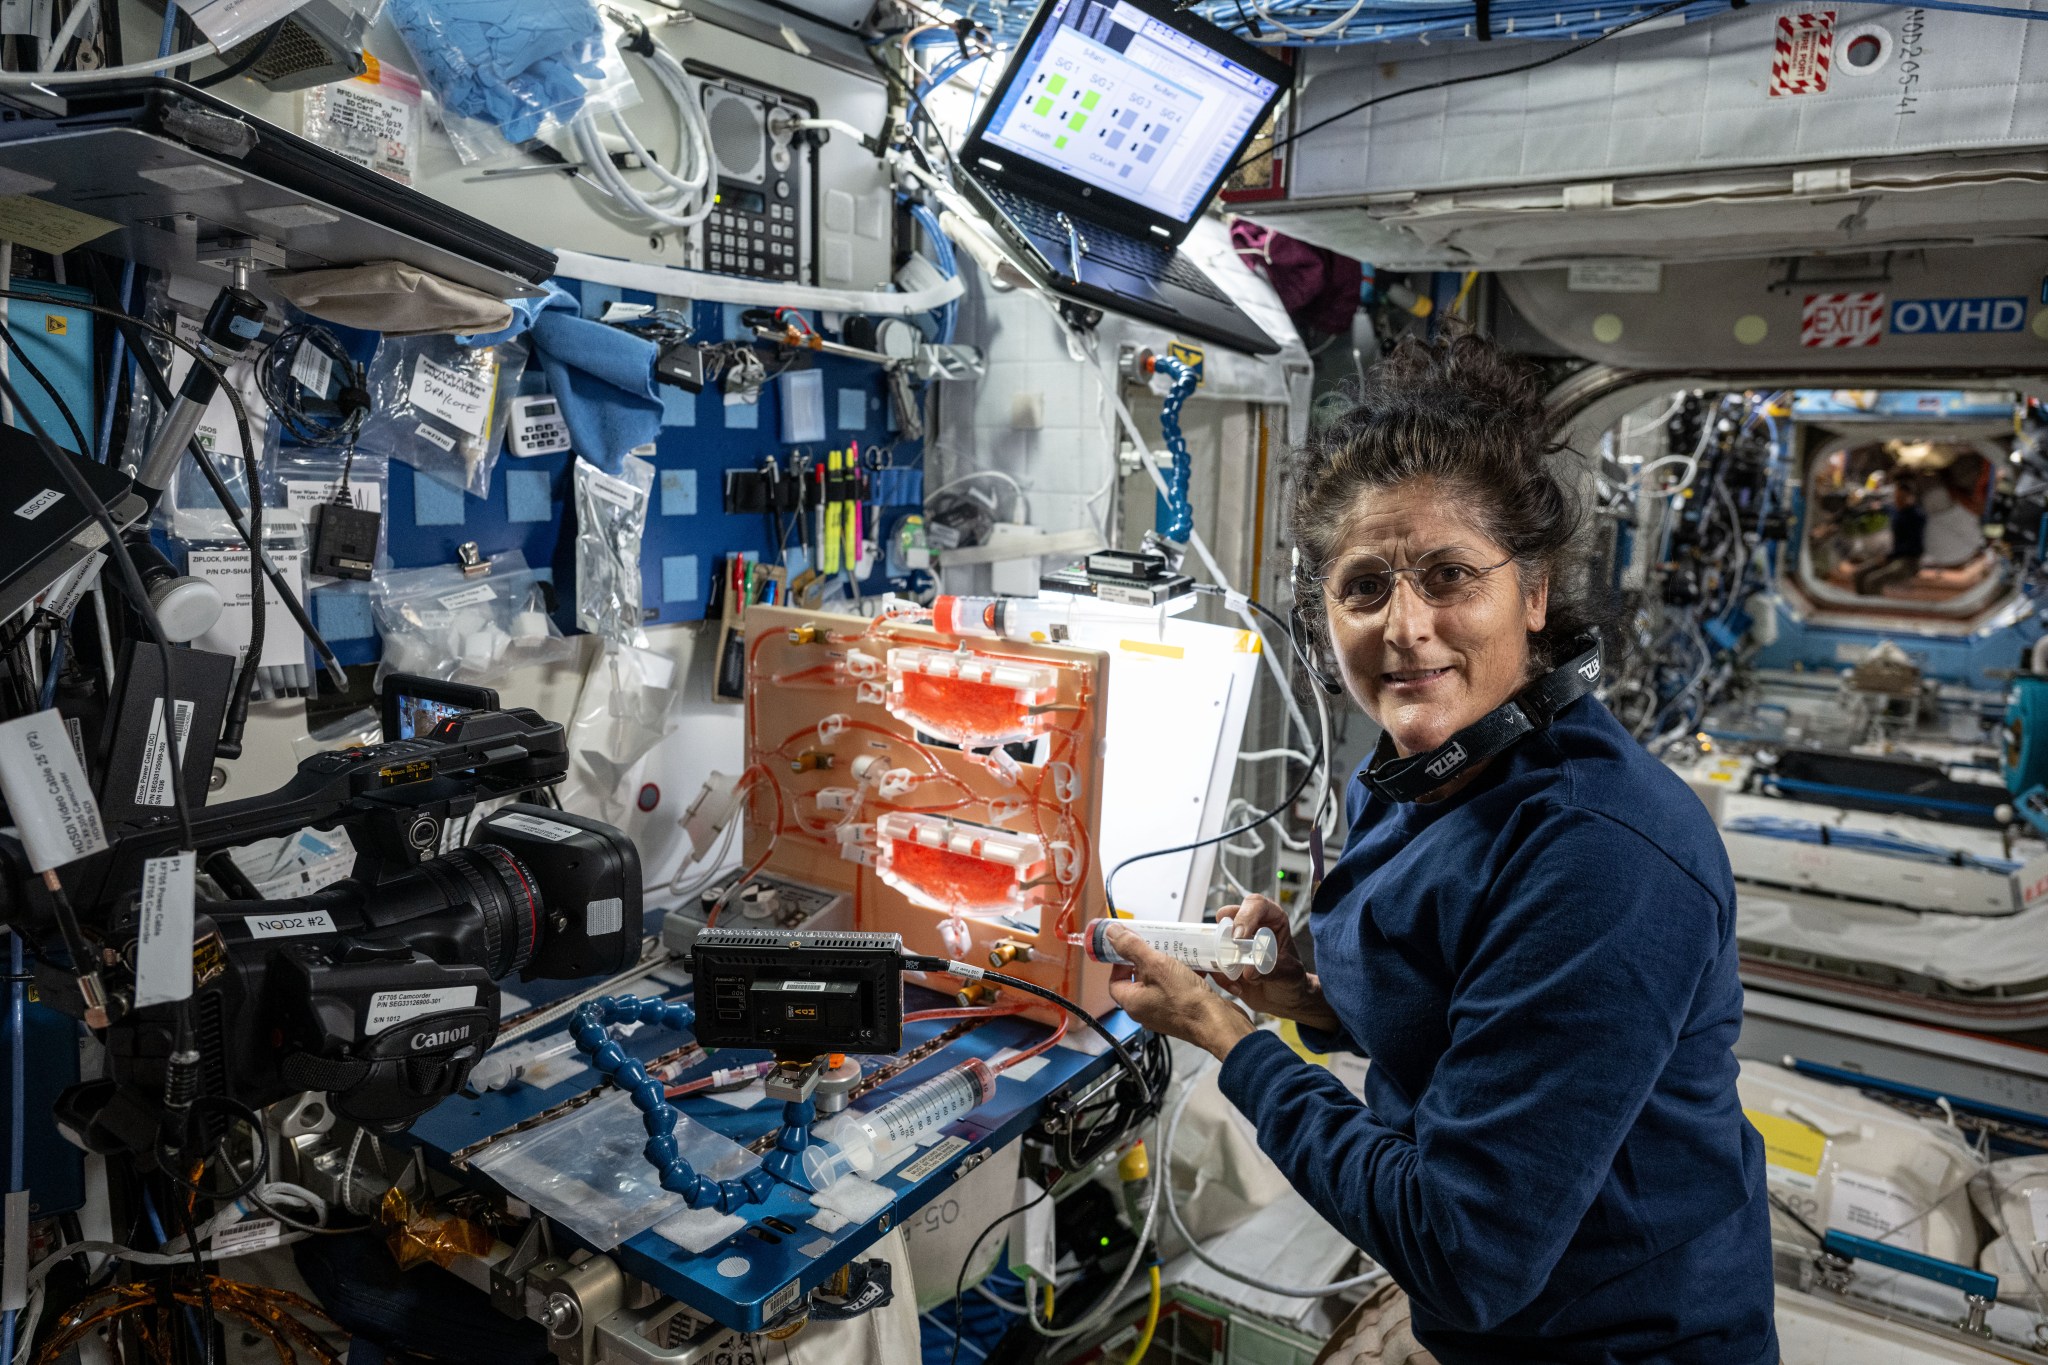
x=439 y=1038
x=1445 y=762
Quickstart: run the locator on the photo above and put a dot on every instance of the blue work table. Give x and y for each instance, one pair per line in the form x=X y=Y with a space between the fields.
x=782 y=1266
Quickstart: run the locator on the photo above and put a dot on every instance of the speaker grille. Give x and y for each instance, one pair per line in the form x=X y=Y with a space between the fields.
x=739 y=134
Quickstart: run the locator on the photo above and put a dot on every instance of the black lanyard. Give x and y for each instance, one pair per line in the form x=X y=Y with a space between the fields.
x=1530 y=710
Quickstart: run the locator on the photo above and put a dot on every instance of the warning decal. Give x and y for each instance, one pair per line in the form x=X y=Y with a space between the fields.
x=1805 y=50
x=1842 y=320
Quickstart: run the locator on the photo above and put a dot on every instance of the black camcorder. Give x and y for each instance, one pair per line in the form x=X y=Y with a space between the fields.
x=379 y=990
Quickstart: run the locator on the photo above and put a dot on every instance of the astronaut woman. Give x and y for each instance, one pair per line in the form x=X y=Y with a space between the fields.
x=1537 y=952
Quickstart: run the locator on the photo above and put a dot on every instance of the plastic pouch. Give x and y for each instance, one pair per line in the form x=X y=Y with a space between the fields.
x=589 y=1170
x=626 y=708
x=611 y=514
x=302 y=478
x=506 y=71
x=373 y=120
x=444 y=623
x=441 y=407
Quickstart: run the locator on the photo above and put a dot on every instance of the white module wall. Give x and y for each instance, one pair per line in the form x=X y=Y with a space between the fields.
x=1678 y=99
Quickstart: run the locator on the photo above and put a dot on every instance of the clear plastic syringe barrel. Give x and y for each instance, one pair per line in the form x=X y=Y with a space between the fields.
x=925 y=1109
x=1205 y=947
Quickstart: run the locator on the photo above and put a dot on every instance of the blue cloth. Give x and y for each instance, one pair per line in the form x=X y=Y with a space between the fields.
x=603 y=376
x=510 y=63
x=1551 y=1159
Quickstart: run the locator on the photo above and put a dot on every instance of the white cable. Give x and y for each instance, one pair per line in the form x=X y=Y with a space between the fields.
x=1109 y=1302
x=1023 y=497
x=41 y=1269
x=1258 y=754
x=73 y=22
x=1001 y=1302
x=713 y=862
x=25 y=1326
x=1333 y=26
x=835 y=125
x=1626 y=432
x=687 y=195
x=1165 y=1176
x=35 y=80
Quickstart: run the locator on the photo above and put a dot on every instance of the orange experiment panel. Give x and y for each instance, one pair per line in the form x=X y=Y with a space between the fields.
x=951 y=786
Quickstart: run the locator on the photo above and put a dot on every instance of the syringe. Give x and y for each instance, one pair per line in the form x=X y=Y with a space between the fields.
x=1205 y=947
x=514 y=1062
x=903 y=1120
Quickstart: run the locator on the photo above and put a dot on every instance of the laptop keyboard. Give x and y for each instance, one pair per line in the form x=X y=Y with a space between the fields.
x=1162 y=263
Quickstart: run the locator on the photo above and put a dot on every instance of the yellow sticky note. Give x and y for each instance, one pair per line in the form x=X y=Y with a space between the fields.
x=1791 y=1146
x=33 y=222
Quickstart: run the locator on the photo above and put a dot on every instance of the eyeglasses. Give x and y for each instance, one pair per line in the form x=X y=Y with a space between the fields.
x=1361 y=584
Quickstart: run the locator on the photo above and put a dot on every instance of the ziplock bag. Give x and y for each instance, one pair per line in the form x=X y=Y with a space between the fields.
x=611 y=514
x=441 y=407
x=506 y=71
x=444 y=623
x=302 y=478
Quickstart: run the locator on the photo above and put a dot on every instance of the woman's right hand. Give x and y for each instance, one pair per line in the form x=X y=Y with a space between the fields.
x=1290 y=990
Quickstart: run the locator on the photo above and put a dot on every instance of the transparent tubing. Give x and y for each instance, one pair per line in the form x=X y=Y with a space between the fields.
x=1205 y=947
x=910 y=1116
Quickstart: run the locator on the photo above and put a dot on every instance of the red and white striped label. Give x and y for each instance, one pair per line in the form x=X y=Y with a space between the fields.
x=1805 y=49
x=1842 y=320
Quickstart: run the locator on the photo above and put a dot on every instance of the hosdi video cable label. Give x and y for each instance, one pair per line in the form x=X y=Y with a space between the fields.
x=388 y=1009
x=47 y=791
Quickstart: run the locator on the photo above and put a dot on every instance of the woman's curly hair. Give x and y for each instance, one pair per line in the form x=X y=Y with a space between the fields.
x=1462 y=414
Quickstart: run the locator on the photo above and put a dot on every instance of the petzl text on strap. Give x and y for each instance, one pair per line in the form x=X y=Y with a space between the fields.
x=1531 y=709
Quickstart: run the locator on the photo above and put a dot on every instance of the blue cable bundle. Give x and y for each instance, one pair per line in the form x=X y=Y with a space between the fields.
x=1179 y=523
x=587 y=1026
x=945 y=260
x=1810 y=832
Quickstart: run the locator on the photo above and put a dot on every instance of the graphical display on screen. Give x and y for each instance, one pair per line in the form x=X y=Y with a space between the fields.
x=419 y=715
x=1114 y=97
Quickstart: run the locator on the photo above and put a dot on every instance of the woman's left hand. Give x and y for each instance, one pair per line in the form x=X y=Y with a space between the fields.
x=1165 y=995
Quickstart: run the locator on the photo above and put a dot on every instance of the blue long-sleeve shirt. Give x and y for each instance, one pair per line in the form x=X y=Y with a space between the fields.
x=1551 y=1157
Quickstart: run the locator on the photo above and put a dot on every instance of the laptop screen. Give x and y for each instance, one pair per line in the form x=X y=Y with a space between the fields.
x=1122 y=101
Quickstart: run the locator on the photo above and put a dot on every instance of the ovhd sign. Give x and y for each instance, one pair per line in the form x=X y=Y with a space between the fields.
x=1915 y=316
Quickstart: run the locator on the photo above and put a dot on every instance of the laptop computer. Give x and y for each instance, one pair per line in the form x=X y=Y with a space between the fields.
x=1111 y=130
